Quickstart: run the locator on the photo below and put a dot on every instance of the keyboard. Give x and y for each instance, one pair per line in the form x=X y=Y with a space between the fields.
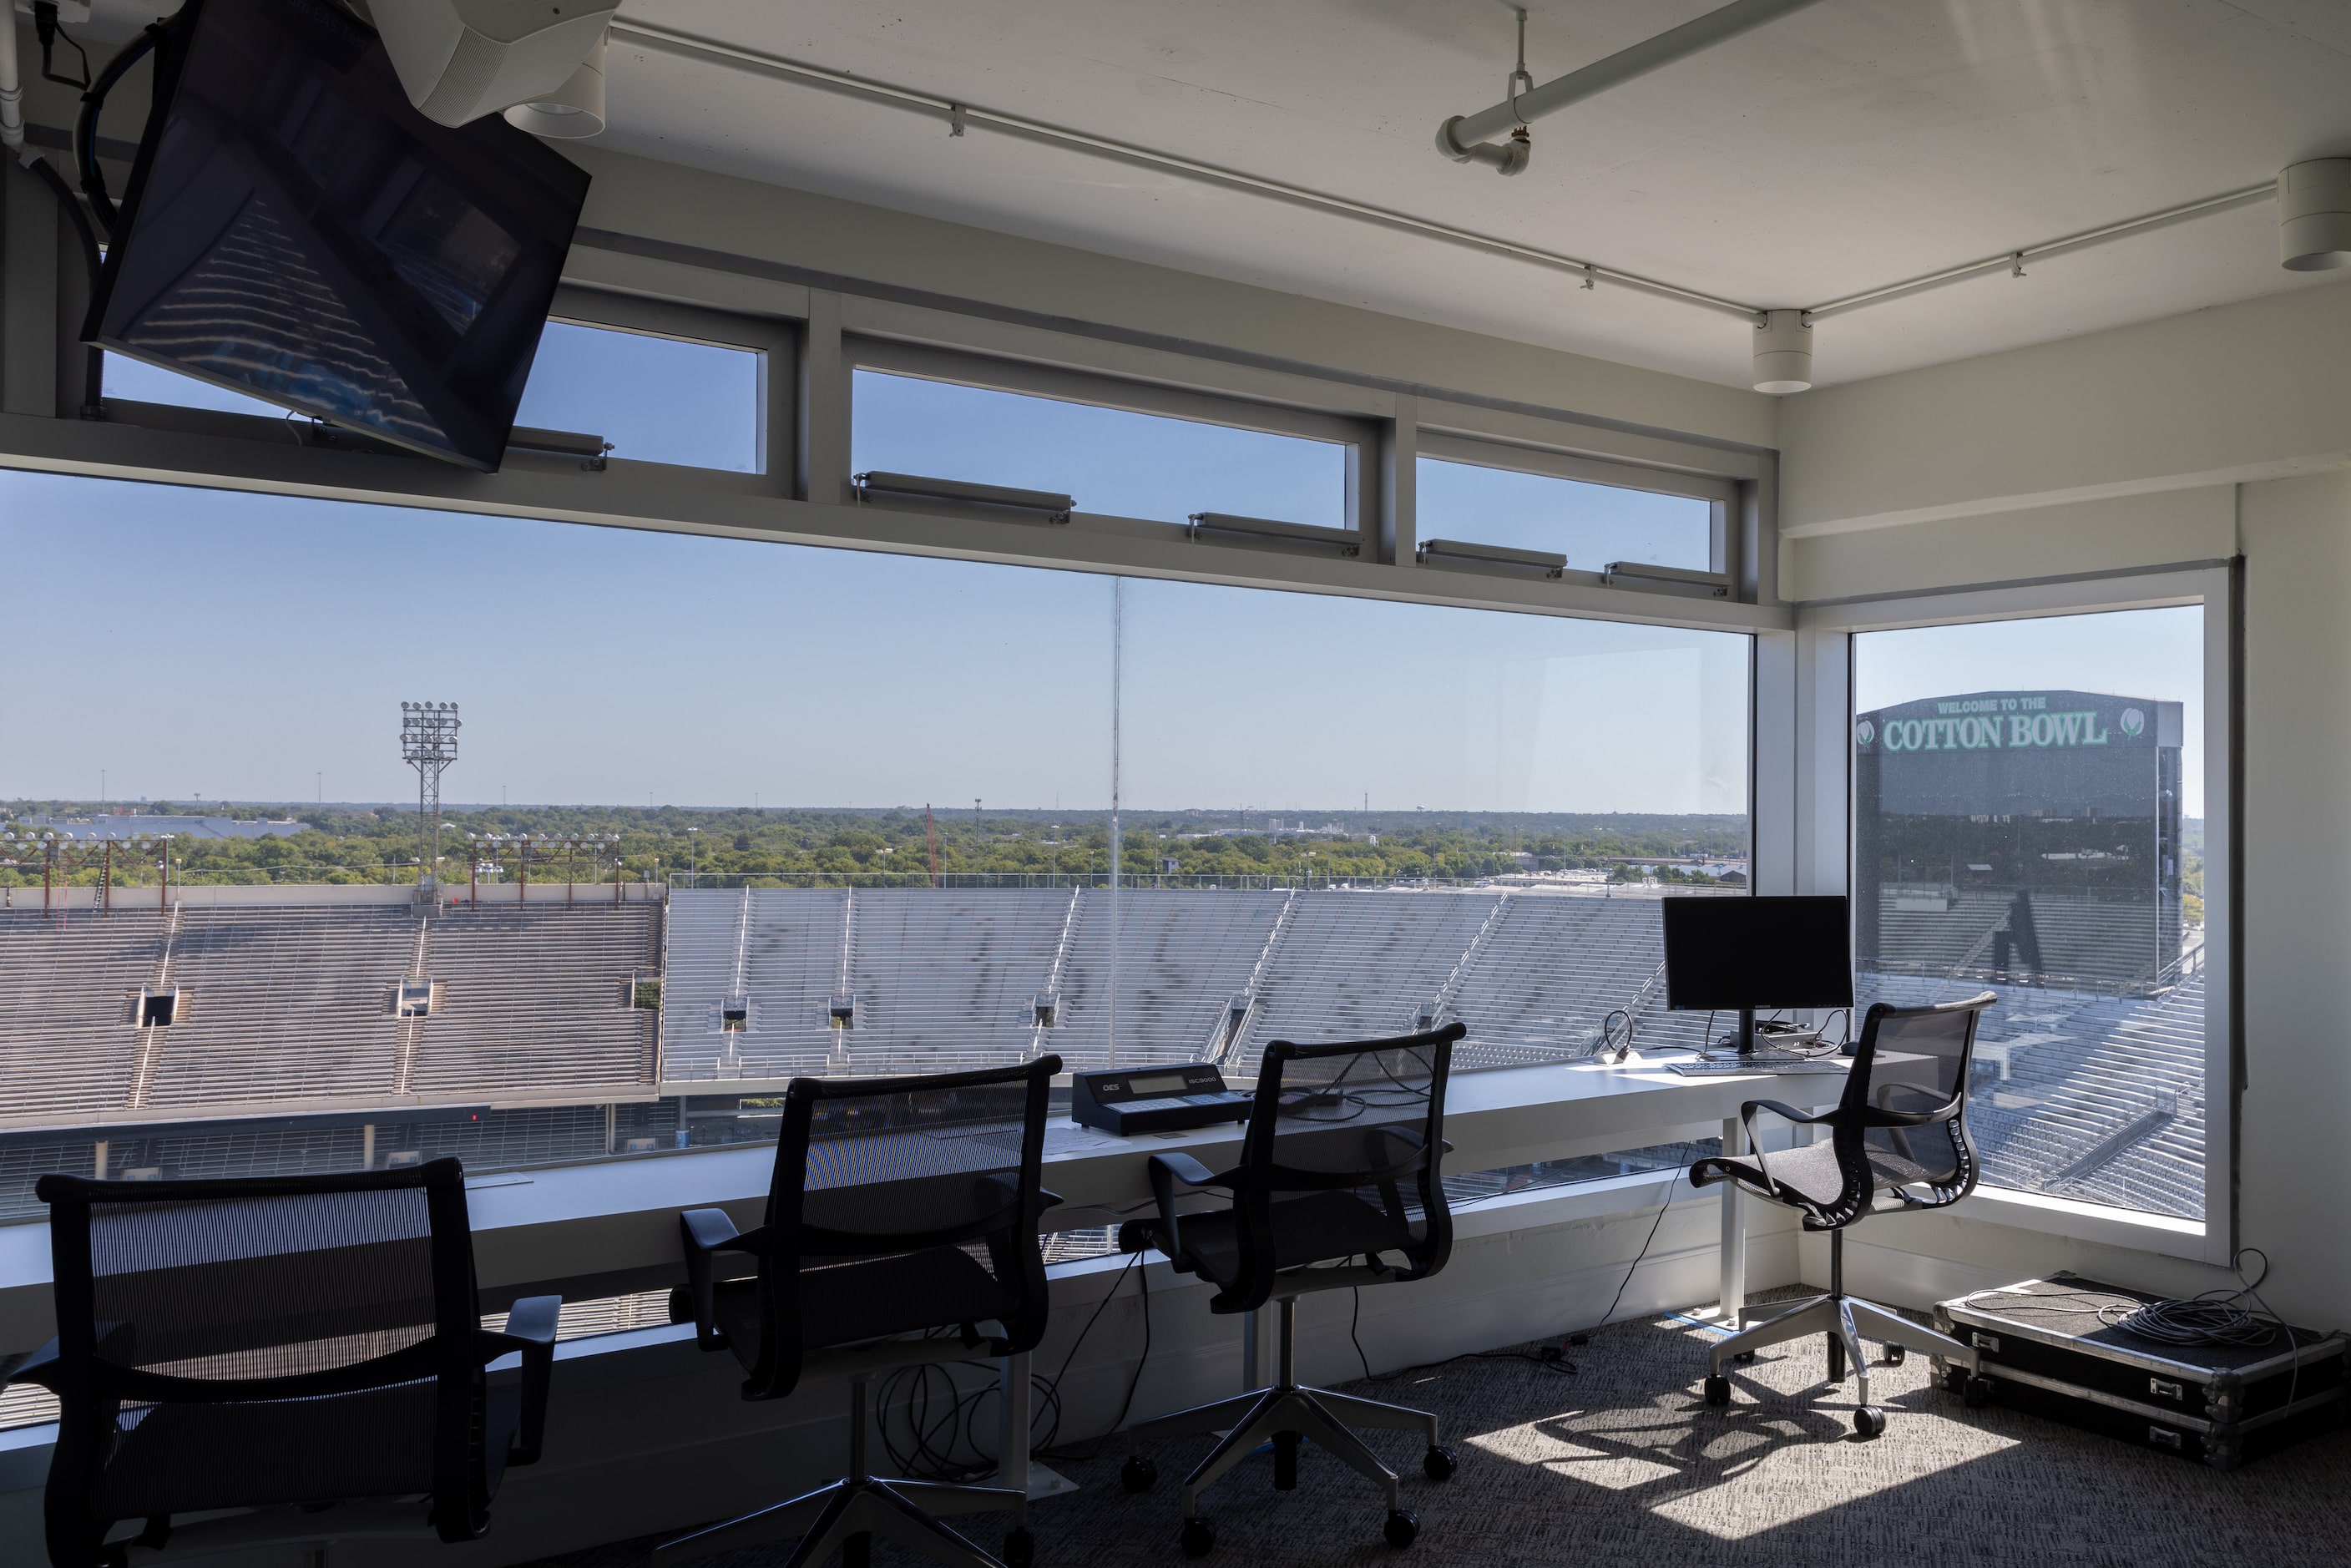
x=1732 y=1066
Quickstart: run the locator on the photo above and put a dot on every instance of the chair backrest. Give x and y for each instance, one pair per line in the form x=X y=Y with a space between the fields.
x=1921 y=1116
x=263 y=1340
x=869 y=1168
x=1362 y=1117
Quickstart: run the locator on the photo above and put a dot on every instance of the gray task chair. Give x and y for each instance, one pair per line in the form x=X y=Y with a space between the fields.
x=308 y=1350
x=1899 y=1147
x=899 y=1206
x=1340 y=1163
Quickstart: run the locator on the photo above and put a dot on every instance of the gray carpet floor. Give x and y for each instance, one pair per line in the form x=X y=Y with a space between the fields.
x=1621 y=1462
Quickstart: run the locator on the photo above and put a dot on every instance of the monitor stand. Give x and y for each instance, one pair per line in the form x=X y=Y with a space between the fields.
x=1747 y=1031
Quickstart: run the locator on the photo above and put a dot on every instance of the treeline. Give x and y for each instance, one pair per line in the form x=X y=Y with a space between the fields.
x=363 y=845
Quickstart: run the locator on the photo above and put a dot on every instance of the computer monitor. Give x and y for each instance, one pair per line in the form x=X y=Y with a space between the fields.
x=295 y=231
x=1739 y=953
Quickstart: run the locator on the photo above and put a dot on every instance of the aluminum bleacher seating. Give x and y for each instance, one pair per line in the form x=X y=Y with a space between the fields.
x=66 y=1042
x=281 y=1002
x=532 y=1001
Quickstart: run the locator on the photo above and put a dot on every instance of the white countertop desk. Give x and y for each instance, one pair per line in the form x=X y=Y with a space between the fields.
x=617 y=1220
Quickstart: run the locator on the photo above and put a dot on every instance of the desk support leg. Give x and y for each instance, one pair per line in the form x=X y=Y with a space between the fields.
x=1012 y=1442
x=1733 y=1310
x=1017 y=1468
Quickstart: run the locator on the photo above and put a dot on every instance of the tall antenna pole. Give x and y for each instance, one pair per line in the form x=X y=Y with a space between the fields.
x=428 y=743
x=1117 y=673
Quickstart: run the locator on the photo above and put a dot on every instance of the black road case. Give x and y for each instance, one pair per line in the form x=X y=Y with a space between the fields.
x=2047 y=1350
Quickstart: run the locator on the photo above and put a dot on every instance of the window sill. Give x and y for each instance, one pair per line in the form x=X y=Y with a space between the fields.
x=2162 y=1234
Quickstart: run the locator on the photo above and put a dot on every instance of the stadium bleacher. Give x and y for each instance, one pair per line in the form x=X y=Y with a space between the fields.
x=939 y=978
x=2106 y=1107
x=288 y=1008
x=283 y=1005
x=533 y=1002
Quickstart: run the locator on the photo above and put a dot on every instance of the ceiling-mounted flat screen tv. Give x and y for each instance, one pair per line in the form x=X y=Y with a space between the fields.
x=294 y=229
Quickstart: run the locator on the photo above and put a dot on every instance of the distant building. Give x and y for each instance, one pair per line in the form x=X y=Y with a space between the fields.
x=2019 y=835
x=179 y=827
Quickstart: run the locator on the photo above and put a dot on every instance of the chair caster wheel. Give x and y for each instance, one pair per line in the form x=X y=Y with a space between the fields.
x=1199 y=1538
x=1868 y=1421
x=1403 y=1527
x=1717 y=1391
x=1897 y=1355
x=1139 y=1473
x=1745 y=1358
x=1020 y=1549
x=1437 y=1464
x=1977 y=1392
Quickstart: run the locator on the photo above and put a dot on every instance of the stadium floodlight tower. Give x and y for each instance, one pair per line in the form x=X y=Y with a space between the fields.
x=428 y=743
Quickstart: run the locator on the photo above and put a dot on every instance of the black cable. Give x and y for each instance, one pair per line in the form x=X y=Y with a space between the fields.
x=93 y=386
x=1641 y=1256
x=1134 y=1378
x=93 y=179
x=44 y=28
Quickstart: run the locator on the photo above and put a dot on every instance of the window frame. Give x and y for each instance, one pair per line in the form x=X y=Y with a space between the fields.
x=777 y=347
x=1829 y=741
x=1357 y=438
x=1720 y=495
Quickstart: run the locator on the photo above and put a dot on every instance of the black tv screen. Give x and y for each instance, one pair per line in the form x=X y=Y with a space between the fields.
x=1725 y=953
x=294 y=229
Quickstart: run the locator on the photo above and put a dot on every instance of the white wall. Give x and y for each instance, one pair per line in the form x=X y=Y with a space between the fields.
x=2244 y=392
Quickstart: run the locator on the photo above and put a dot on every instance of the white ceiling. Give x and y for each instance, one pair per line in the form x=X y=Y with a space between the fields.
x=1854 y=144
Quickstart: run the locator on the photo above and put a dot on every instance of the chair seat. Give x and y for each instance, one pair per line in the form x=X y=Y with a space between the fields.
x=178 y=1458
x=844 y=1303
x=1318 y=1227
x=1809 y=1175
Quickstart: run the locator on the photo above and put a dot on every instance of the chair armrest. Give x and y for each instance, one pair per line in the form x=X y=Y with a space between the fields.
x=703 y=1232
x=531 y=1329
x=1755 y=1145
x=711 y=1230
x=34 y=1367
x=1183 y=1168
x=1166 y=1170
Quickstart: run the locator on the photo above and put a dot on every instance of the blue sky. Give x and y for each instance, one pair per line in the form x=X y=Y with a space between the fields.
x=237 y=645
x=258 y=647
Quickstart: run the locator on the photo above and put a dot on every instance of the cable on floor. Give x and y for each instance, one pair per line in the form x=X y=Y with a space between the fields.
x=1134 y=1379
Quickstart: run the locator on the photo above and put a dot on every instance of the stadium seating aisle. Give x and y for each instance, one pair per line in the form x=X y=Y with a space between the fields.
x=282 y=1003
x=535 y=1001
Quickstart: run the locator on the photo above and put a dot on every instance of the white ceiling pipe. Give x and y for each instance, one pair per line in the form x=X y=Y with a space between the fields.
x=1783 y=352
x=1463 y=138
x=2315 y=215
x=12 y=86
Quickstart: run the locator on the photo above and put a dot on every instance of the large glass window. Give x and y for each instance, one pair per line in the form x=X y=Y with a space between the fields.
x=722 y=814
x=1110 y=460
x=2029 y=816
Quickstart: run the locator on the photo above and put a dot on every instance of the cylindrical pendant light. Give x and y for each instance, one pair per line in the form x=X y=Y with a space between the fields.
x=2315 y=215
x=1783 y=352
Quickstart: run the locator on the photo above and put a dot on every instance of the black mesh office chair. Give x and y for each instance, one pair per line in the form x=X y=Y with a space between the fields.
x=1901 y=1131
x=899 y=1206
x=277 y=1343
x=1340 y=1161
